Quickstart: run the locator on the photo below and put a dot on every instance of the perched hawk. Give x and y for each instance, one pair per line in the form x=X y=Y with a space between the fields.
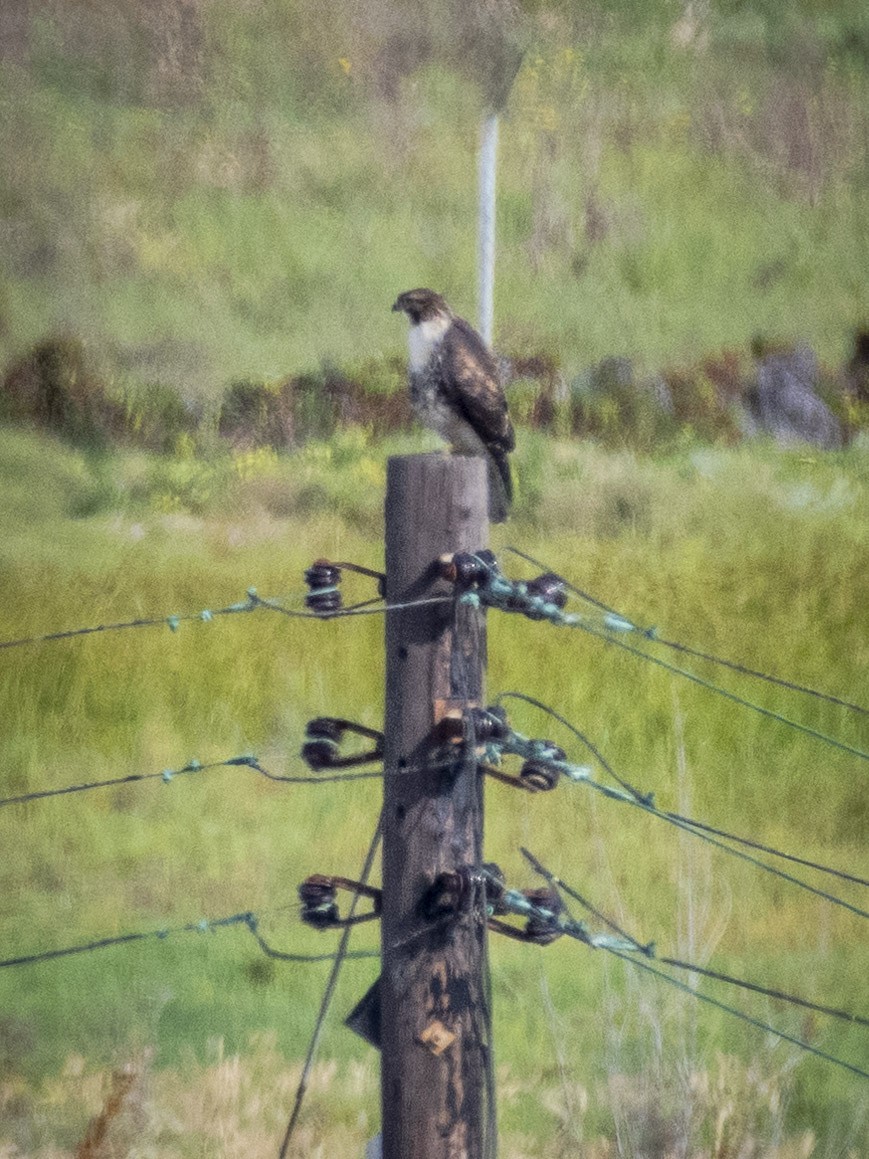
x=455 y=389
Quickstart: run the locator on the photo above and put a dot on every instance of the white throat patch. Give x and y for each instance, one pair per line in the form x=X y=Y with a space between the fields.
x=423 y=338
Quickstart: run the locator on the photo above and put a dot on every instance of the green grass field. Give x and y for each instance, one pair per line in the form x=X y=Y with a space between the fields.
x=756 y=554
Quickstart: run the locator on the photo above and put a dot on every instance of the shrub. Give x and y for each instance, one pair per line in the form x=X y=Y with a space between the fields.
x=56 y=386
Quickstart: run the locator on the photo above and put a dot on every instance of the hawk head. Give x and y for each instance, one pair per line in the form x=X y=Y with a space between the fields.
x=422 y=305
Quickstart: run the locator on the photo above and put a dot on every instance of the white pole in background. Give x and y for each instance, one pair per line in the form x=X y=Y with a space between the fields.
x=488 y=155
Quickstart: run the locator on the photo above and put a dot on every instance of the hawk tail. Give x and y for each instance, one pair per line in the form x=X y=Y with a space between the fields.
x=500 y=485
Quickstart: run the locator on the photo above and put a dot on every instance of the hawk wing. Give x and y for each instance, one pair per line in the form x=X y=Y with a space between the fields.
x=470 y=381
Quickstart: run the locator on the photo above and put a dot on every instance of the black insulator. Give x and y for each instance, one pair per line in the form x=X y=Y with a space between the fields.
x=489 y=724
x=539 y=929
x=472 y=568
x=323 y=579
x=320 y=754
x=539 y=775
x=319 y=907
x=549 y=587
x=325 y=727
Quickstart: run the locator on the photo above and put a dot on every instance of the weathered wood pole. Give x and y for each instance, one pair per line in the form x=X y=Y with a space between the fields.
x=434 y=1012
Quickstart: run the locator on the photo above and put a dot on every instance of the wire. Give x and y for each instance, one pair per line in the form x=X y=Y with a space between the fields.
x=735 y=666
x=328 y=993
x=246 y=918
x=356 y=609
x=645 y=802
x=172 y=621
x=732 y=696
x=251 y=604
x=750 y=844
x=168 y=775
x=676 y=963
x=740 y=1014
x=643 y=965
x=592 y=748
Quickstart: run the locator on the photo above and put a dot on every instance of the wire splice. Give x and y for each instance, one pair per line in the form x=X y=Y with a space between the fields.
x=546 y=918
x=544 y=761
x=479 y=580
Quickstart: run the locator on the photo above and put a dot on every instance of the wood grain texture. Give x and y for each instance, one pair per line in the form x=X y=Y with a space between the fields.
x=433 y=985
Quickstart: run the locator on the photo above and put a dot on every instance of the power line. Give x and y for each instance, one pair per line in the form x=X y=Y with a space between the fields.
x=750 y=844
x=676 y=963
x=726 y=693
x=756 y=1022
x=494 y=590
x=171 y=621
x=253 y=603
x=735 y=666
x=247 y=919
x=648 y=951
x=646 y=802
x=167 y=775
x=329 y=991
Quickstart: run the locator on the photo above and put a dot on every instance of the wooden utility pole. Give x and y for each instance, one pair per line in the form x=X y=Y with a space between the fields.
x=433 y=988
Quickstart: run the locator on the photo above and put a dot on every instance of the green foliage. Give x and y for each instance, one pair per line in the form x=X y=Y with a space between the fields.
x=757 y=554
x=262 y=181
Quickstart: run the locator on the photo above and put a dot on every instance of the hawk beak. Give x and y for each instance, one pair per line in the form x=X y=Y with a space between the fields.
x=395 y=306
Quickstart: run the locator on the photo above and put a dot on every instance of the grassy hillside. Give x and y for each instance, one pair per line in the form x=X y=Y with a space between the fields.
x=755 y=554
x=242 y=192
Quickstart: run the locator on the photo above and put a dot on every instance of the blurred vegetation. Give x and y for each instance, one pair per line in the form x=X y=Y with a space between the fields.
x=213 y=192
x=753 y=552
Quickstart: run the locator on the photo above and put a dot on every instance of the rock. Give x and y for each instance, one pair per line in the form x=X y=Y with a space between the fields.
x=784 y=402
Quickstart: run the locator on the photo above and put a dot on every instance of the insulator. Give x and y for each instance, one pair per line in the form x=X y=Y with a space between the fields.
x=549 y=587
x=489 y=724
x=538 y=929
x=323 y=579
x=319 y=908
x=445 y=895
x=325 y=727
x=320 y=754
x=469 y=569
x=539 y=775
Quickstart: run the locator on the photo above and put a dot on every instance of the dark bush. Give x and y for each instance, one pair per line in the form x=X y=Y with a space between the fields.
x=56 y=386
x=252 y=415
x=315 y=405
x=155 y=416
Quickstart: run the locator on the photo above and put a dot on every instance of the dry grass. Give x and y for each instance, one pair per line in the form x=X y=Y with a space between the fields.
x=238 y=1105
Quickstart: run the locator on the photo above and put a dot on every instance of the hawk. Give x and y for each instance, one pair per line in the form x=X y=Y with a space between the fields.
x=455 y=389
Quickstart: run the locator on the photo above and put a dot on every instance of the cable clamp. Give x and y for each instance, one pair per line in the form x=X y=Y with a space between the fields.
x=478 y=580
